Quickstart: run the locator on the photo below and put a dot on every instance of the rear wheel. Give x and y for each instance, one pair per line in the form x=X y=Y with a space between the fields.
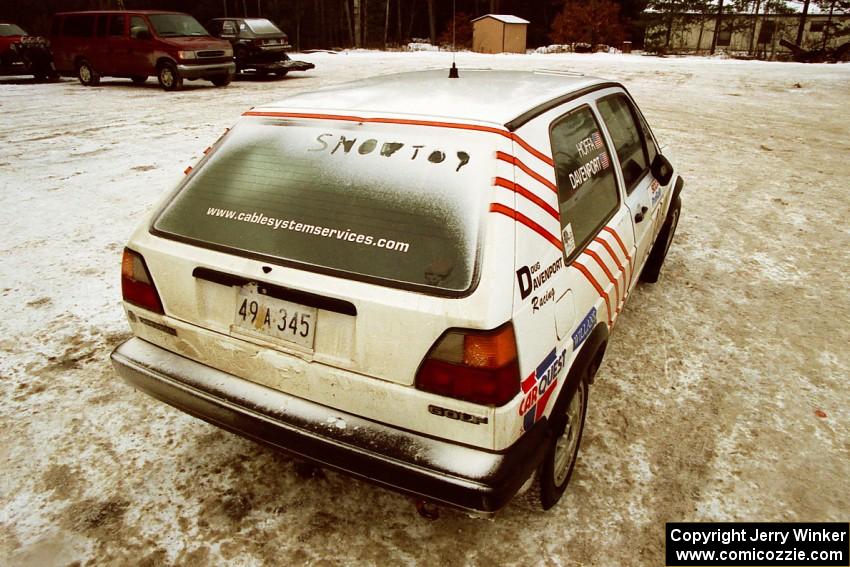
x=554 y=474
x=139 y=79
x=87 y=75
x=652 y=270
x=169 y=78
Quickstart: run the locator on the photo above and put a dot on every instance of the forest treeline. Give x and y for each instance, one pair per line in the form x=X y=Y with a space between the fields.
x=388 y=23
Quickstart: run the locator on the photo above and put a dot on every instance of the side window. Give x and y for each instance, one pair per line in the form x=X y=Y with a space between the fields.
x=101 y=25
x=228 y=28
x=651 y=148
x=619 y=117
x=56 y=26
x=587 y=186
x=79 y=25
x=138 y=26
x=116 y=26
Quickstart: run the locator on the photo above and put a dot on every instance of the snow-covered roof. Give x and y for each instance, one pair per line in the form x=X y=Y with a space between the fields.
x=508 y=19
x=478 y=95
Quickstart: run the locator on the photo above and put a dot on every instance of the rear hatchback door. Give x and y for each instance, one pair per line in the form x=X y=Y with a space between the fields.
x=363 y=232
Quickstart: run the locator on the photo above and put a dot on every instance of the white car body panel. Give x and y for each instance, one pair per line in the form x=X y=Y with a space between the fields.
x=366 y=364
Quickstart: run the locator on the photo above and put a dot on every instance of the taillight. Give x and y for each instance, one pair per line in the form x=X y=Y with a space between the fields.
x=136 y=283
x=475 y=366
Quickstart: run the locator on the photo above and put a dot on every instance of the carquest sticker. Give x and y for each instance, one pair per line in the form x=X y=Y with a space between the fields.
x=538 y=387
x=531 y=278
x=584 y=328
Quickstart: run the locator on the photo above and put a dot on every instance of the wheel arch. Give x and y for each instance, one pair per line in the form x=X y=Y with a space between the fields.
x=588 y=359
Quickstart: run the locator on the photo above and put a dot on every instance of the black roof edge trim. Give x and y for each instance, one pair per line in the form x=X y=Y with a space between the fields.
x=278 y=292
x=530 y=115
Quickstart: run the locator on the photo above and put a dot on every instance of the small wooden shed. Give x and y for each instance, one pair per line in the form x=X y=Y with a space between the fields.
x=498 y=33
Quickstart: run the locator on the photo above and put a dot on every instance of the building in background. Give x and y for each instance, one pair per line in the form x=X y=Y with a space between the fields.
x=497 y=33
x=744 y=34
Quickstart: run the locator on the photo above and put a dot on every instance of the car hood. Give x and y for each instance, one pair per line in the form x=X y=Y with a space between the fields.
x=196 y=42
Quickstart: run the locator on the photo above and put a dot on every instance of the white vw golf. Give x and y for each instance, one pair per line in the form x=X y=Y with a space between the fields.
x=411 y=279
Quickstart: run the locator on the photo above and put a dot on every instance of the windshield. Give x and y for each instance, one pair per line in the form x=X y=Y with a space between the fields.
x=7 y=30
x=379 y=201
x=263 y=27
x=172 y=25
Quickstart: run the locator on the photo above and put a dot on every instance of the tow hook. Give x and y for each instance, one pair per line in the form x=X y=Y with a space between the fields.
x=427 y=509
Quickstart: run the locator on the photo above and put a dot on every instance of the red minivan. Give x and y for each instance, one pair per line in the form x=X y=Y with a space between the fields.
x=137 y=44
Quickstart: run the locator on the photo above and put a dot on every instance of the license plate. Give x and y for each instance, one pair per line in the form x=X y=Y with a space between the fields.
x=260 y=314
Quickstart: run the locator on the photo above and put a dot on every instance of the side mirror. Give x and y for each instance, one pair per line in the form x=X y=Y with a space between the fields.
x=661 y=169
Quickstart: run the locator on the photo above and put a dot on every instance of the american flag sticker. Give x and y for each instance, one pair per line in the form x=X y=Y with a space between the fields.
x=597 y=140
x=604 y=160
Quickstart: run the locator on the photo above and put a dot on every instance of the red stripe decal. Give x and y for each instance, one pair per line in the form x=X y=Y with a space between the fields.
x=613 y=232
x=349 y=118
x=616 y=261
x=610 y=230
x=517 y=188
x=580 y=267
x=519 y=217
x=515 y=161
x=527 y=147
x=608 y=273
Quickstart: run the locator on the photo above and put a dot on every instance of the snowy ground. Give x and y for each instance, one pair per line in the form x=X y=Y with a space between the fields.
x=724 y=395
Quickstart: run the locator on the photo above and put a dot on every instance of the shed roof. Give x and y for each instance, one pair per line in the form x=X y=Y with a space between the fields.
x=479 y=95
x=503 y=18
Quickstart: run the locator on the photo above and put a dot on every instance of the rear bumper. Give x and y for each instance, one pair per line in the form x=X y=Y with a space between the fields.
x=438 y=470
x=201 y=71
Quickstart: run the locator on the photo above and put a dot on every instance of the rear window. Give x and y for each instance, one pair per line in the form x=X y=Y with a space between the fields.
x=375 y=201
x=81 y=25
x=262 y=27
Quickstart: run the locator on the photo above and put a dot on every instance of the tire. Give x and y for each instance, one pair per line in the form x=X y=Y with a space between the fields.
x=652 y=270
x=222 y=80
x=139 y=79
x=554 y=474
x=87 y=75
x=168 y=76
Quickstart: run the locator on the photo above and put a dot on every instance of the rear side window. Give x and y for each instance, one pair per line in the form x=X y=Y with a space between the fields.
x=79 y=25
x=101 y=25
x=117 y=24
x=403 y=205
x=587 y=188
x=619 y=117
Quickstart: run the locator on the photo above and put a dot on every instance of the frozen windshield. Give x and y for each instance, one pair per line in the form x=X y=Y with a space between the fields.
x=7 y=30
x=399 y=204
x=263 y=27
x=172 y=25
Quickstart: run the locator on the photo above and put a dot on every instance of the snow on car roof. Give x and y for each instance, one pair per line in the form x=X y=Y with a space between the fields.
x=478 y=95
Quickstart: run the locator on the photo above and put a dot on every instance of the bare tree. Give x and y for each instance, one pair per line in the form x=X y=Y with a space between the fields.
x=358 y=37
x=432 y=22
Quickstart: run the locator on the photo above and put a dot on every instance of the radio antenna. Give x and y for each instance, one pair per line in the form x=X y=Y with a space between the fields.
x=453 y=74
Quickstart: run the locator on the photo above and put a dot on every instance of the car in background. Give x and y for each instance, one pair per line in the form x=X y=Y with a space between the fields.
x=137 y=44
x=406 y=279
x=24 y=54
x=258 y=44
x=9 y=34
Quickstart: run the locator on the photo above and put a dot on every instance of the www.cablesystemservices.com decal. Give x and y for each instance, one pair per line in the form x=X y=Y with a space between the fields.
x=538 y=387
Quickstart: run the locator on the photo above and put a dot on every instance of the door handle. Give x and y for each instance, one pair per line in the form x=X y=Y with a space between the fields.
x=639 y=216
